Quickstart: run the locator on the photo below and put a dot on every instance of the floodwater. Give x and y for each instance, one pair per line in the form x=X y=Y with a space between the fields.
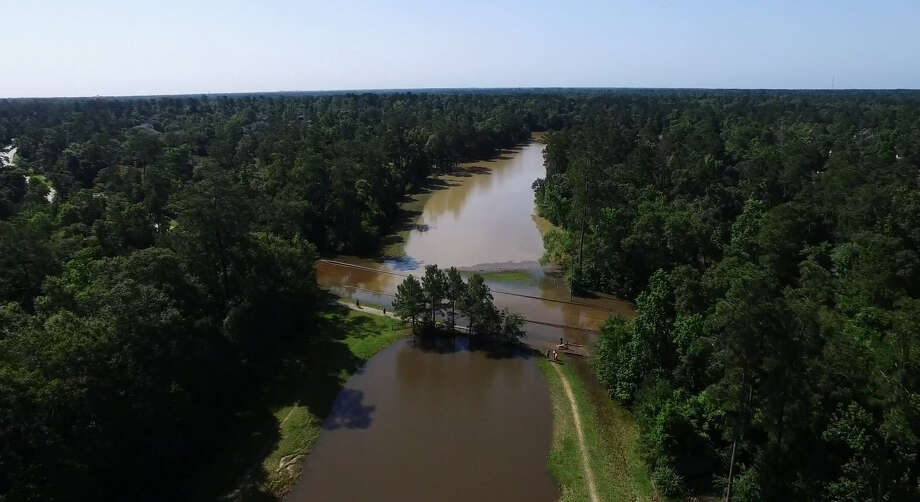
x=436 y=423
x=449 y=423
x=482 y=218
x=551 y=314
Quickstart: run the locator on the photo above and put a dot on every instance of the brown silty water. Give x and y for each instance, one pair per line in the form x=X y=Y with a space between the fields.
x=485 y=216
x=445 y=422
x=483 y=219
x=437 y=423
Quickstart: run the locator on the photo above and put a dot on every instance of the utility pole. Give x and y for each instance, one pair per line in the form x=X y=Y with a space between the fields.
x=731 y=467
x=581 y=246
x=731 y=463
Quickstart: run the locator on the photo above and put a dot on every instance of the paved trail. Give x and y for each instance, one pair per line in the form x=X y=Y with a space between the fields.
x=589 y=474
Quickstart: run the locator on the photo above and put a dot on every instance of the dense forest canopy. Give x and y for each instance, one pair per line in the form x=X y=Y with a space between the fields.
x=769 y=237
x=772 y=244
x=149 y=297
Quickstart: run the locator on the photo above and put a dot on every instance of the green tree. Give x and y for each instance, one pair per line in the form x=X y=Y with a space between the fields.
x=512 y=326
x=214 y=217
x=455 y=288
x=434 y=285
x=409 y=301
x=617 y=358
x=476 y=304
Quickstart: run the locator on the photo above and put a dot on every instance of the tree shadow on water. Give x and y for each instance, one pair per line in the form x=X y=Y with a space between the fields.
x=469 y=171
x=318 y=383
x=432 y=184
x=440 y=342
x=305 y=369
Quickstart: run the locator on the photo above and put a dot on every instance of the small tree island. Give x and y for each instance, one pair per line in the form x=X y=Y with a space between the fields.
x=432 y=305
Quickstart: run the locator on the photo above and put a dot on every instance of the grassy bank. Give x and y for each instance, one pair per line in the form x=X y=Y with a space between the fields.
x=273 y=436
x=508 y=276
x=610 y=436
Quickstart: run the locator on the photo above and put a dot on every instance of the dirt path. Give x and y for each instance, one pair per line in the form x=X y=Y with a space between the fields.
x=369 y=310
x=589 y=474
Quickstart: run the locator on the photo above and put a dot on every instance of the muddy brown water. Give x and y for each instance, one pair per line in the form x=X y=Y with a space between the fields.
x=440 y=423
x=486 y=216
x=484 y=219
x=445 y=422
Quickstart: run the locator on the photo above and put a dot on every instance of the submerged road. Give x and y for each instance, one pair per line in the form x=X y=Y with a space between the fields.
x=494 y=291
x=599 y=309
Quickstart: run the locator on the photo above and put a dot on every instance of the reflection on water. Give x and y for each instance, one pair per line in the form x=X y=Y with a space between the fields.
x=447 y=424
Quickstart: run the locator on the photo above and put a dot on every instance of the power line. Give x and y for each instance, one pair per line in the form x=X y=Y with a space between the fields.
x=543 y=323
x=497 y=291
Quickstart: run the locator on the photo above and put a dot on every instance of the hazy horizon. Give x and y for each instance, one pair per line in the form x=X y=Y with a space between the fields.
x=107 y=48
x=458 y=90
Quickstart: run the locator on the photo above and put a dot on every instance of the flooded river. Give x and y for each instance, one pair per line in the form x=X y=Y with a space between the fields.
x=446 y=422
x=482 y=218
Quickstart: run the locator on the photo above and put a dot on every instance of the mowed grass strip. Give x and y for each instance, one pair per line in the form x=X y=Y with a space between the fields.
x=523 y=277
x=610 y=433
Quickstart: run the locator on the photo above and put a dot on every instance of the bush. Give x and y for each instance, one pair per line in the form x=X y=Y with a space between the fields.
x=668 y=482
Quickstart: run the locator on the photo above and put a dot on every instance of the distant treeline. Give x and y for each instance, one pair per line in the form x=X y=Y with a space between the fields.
x=771 y=240
x=578 y=92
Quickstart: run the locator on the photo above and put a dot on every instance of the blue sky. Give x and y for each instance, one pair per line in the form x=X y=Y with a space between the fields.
x=58 y=48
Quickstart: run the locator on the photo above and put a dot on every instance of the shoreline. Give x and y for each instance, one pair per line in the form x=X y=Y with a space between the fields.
x=247 y=468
